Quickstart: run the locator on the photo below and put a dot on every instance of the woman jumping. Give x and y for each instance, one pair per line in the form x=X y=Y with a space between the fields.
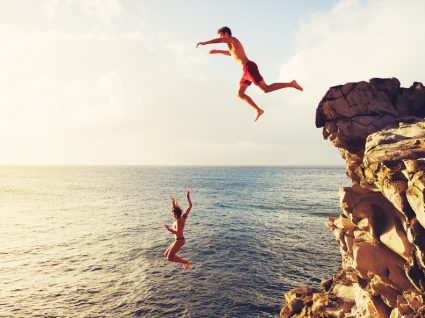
x=177 y=230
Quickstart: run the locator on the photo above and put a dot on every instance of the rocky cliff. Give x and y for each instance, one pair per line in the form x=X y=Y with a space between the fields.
x=379 y=129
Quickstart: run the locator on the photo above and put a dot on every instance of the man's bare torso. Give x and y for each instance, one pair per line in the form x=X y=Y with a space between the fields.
x=237 y=51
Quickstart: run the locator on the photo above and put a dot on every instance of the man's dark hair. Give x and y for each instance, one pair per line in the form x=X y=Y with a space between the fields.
x=225 y=29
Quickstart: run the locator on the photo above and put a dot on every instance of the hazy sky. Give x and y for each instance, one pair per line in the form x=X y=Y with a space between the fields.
x=121 y=82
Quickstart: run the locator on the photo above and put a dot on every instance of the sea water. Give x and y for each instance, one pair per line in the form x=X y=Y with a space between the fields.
x=89 y=241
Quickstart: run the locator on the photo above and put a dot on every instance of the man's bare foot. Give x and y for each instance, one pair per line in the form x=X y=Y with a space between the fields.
x=295 y=85
x=186 y=266
x=259 y=113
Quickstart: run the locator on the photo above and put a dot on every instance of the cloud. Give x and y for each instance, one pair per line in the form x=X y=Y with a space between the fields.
x=106 y=10
x=50 y=8
x=355 y=41
x=116 y=96
x=358 y=40
x=89 y=82
x=56 y=98
x=190 y=62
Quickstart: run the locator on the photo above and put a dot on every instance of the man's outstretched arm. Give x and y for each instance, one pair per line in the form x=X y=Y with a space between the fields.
x=213 y=41
x=220 y=52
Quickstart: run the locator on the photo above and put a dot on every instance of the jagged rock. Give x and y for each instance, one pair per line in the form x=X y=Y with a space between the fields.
x=372 y=213
x=350 y=113
x=415 y=195
x=379 y=129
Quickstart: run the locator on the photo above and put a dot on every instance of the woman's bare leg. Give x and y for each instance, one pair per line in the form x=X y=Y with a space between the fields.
x=174 y=258
x=168 y=249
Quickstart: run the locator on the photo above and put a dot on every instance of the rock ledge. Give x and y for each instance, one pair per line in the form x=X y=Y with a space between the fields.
x=379 y=129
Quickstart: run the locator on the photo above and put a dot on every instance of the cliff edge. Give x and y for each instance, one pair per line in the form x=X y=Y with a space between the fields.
x=379 y=129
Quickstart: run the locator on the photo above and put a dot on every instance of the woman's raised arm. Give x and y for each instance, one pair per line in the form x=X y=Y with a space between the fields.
x=190 y=205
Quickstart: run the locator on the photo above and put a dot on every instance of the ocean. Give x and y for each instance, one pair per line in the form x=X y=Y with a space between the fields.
x=89 y=241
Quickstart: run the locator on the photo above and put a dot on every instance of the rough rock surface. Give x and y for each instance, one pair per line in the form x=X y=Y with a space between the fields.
x=379 y=129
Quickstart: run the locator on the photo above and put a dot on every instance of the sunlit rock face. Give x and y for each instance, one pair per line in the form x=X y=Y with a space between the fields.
x=379 y=129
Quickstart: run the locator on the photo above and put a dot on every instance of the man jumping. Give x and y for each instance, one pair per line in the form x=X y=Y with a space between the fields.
x=250 y=69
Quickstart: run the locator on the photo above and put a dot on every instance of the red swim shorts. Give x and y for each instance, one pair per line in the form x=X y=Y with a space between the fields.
x=250 y=74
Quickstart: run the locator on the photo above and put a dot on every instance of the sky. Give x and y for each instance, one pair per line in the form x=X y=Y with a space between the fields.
x=121 y=82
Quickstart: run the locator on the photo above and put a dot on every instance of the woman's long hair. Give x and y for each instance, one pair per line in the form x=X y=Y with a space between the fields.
x=176 y=209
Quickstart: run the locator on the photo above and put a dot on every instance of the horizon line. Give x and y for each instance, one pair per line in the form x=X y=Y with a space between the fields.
x=172 y=165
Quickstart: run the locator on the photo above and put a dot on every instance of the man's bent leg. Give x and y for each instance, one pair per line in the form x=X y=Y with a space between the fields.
x=246 y=98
